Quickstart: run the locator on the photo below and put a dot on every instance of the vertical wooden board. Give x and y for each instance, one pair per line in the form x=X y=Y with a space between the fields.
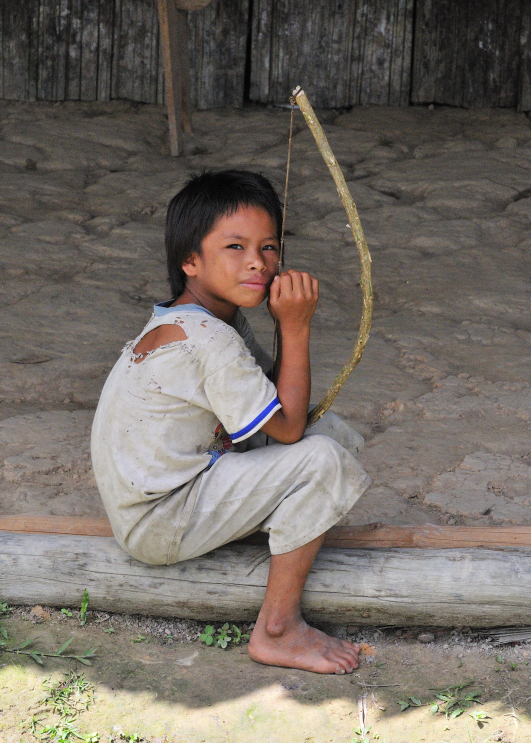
x=376 y=67
x=401 y=53
x=218 y=38
x=74 y=51
x=357 y=56
x=467 y=53
x=511 y=15
x=33 y=42
x=524 y=86
x=105 y=37
x=53 y=27
x=15 y=50
x=311 y=45
x=145 y=43
x=89 y=50
x=115 y=60
x=135 y=53
x=261 y=36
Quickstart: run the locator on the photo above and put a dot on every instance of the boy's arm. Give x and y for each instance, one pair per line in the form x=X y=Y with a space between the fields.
x=292 y=301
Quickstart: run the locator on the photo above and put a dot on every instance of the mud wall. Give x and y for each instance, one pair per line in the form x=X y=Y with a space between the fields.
x=471 y=53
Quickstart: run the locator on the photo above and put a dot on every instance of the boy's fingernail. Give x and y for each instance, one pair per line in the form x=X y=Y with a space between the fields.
x=276 y=278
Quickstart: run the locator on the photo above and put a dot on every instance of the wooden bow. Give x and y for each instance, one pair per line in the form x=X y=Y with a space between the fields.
x=299 y=98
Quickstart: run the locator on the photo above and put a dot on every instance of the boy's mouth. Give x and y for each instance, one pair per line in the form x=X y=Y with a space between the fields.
x=255 y=284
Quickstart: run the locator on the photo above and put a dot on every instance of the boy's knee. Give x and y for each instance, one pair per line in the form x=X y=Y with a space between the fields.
x=332 y=426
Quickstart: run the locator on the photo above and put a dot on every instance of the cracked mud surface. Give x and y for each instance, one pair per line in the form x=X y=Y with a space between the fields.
x=442 y=394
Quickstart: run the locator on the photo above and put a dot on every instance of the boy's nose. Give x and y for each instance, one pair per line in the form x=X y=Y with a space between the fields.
x=256 y=260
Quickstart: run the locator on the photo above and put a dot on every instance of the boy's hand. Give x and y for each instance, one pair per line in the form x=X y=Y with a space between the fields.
x=292 y=300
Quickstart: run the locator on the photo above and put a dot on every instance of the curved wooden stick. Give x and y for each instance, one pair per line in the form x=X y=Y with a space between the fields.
x=365 y=257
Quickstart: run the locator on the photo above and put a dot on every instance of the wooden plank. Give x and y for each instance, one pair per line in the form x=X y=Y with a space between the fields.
x=169 y=19
x=344 y=53
x=367 y=536
x=115 y=66
x=467 y=54
x=105 y=36
x=89 y=50
x=74 y=51
x=391 y=587
x=33 y=51
x=218 y=43
x=524 y=84
x=52 y=65
x=261 y=38
x=15 y=49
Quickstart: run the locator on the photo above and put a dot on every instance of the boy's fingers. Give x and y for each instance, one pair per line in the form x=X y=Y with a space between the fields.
x=274 y=289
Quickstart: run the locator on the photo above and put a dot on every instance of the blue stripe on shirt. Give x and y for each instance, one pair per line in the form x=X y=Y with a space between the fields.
x=273 y=406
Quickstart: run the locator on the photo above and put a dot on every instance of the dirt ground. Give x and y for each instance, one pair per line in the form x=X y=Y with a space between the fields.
x=167 y=690
x=442 y=395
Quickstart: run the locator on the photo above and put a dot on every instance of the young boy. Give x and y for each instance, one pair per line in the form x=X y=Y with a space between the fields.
x=176 y=457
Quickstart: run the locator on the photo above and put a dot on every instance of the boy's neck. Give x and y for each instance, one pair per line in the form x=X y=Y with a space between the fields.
x=222 y=309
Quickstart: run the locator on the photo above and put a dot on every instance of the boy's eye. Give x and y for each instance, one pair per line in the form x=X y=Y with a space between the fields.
x=235 y=246
x=270 y=247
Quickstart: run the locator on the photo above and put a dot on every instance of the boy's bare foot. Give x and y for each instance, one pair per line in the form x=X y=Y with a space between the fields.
x=297 y=645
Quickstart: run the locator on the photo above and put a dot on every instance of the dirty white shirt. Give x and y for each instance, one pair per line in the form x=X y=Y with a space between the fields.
x=155 y=426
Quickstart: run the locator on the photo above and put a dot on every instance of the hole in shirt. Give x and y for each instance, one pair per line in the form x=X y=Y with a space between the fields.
x=161 y=336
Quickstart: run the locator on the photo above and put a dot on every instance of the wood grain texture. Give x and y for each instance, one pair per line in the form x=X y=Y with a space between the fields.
x=524 y=83
x=375 y=536
x=471 y=53
x=440 y=587
x=218 y=42
x=171 y=36
x=341 y=53
x=467 y=53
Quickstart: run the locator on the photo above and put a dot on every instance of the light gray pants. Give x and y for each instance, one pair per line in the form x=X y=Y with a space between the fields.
x=295 y=492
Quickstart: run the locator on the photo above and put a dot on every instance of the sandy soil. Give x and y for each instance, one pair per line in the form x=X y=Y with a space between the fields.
x=442 y=395
x=170 y=691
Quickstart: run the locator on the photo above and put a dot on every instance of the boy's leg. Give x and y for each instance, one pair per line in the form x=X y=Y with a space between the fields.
x=281 y=637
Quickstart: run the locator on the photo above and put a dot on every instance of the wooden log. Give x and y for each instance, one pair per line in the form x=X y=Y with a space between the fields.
x=479 y=588
x=367 y=536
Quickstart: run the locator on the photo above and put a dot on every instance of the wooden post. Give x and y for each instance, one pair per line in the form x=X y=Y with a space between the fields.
x=174 y=42
x=171 y=20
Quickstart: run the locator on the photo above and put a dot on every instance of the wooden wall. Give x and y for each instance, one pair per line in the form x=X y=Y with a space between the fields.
x=468 y=53
x=344 y=52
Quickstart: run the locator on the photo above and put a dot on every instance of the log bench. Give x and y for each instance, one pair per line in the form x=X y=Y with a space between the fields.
x=374 y=574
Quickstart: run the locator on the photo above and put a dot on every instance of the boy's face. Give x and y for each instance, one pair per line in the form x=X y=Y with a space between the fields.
x=238 y=261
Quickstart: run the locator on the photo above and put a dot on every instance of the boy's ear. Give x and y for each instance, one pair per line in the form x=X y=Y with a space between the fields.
x=189 y=265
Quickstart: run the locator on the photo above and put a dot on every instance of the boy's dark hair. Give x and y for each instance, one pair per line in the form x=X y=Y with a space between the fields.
x=193 y=212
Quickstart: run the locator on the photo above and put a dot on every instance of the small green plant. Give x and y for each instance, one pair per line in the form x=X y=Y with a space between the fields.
x=452 y=703
x=66 y=612
x=64 y=700
x=109 y=631
x=5 y=611
x=410 y=702
x=140 y=638
x=84 y=607
x=480 y=717
x=362 y=736
x=38 y=655
x=221 y=637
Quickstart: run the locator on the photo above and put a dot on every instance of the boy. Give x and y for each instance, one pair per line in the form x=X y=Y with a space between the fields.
x=176 y=457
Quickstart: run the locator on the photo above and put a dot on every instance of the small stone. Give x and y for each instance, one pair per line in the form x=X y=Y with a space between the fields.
x=352 y=629
x=426 y=637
